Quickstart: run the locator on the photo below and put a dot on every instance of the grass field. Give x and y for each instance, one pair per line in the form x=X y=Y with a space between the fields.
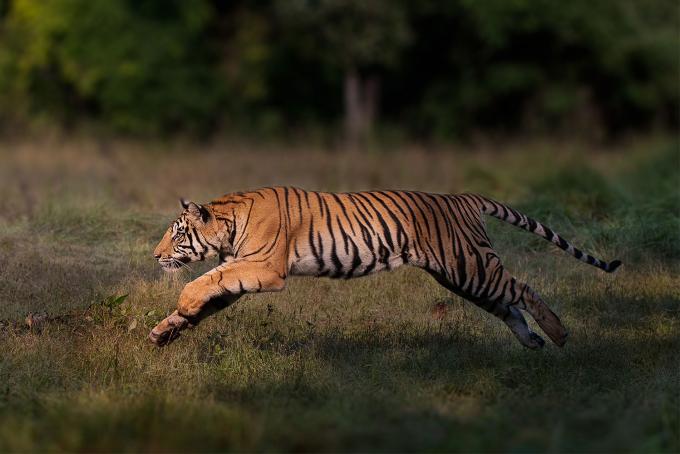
x=391 y=362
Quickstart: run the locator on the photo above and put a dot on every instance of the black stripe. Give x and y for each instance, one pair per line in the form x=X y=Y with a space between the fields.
x=356 y=260
x=442 y=254
x=285 y=190
x=401 y=232
x=414 y=224
x=532 y=224
x=422 y=213
x=368 y=223
x=548 y=233
x=312 y=246
x=562 y=243
x=343 y=233
x=334 y=253
x=299 y=203
x=344 y=210
x=318 y=198
x=320 y=240
x=386 y=230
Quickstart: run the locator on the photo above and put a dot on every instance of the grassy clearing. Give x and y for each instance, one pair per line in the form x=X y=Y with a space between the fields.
x=389 y=362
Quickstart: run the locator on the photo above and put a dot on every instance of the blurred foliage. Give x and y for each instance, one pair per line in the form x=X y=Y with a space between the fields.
x=141 y=66
x=348 y=33
x=635 y=213
x=651 y=218
x=448 y=68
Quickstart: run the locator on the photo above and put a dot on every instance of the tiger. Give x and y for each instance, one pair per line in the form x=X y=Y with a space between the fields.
x=264 y=236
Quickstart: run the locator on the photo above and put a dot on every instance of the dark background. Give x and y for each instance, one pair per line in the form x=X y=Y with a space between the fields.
x=340 y=69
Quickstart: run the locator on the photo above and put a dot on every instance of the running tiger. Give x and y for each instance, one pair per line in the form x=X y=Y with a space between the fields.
x=264 y=236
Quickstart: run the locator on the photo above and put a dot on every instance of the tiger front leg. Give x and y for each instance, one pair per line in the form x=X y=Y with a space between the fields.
x=214 y=291
x=169 y=328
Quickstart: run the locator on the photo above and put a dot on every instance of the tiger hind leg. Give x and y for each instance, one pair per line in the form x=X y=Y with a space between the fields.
x=519 y=295
x=513 y=318
x=503 y=309
x=550 y=323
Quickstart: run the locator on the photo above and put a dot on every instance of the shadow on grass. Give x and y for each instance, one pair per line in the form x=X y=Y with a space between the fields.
x=408 y=385
x=440 y=389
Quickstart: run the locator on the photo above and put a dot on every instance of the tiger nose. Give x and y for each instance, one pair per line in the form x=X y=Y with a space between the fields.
x=156 y=255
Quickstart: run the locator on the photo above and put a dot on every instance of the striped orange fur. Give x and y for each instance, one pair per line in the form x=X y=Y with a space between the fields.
x=264 y=236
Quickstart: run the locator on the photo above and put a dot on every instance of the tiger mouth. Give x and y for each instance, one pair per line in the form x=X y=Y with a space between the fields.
x=171 y=265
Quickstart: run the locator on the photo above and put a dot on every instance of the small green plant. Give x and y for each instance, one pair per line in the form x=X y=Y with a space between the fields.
x=111 y=302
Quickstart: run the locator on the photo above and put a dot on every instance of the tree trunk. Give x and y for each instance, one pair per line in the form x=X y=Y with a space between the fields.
x=353 y=114
x=370 y=94
x=361 y=100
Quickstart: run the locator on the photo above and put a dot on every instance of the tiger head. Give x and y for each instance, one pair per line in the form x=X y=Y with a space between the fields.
x=192 y=237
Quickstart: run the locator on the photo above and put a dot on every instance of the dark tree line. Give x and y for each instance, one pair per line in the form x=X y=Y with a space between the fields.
x=429 y=68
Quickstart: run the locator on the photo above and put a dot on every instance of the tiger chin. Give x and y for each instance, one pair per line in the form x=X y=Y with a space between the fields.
x=262 y=237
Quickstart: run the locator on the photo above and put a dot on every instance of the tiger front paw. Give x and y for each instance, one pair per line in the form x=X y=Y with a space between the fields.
x=168 y=329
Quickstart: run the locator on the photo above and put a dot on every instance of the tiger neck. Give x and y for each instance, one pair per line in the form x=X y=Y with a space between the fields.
x=229 y=213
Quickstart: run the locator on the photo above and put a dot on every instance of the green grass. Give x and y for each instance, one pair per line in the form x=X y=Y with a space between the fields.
x=392 y=362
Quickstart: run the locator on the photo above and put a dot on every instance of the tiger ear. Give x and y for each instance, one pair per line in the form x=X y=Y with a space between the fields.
x=183 y=203
x=195 y=210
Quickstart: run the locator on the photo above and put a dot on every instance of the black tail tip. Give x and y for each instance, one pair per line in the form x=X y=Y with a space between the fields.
x=613 y=265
